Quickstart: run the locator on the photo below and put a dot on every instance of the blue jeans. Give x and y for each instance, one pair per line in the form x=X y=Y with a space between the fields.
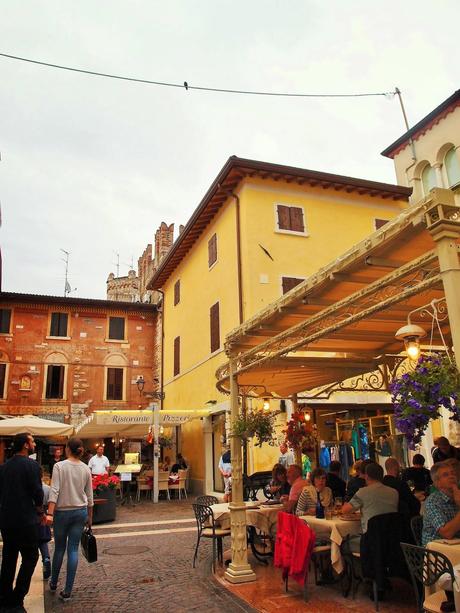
x=68 y=528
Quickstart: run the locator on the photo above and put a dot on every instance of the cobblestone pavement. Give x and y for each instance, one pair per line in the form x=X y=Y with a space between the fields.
x=160 y=577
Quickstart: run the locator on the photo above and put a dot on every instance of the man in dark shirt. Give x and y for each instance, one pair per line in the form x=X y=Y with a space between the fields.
x=418 y=474
x=337 y=485
x=358 y=481
x=21 y=499
x=408 y=503
x=444 y=450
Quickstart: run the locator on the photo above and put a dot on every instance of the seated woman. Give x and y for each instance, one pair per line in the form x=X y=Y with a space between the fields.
x=166 y=465
x=308 y=499
x=279 y=485
x=179 y=464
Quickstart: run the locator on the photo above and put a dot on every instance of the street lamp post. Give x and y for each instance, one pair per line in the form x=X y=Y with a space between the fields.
x=155 y=408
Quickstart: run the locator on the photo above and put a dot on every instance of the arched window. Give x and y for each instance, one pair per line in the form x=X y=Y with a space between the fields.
x=452 y=167
x=115 y=377
x=55 y=376
x=428 y=179
x=3 y=374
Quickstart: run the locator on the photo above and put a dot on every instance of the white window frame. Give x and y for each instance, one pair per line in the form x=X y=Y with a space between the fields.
x=292 y=232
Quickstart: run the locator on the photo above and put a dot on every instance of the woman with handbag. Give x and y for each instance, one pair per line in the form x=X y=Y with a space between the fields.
x=70 y=507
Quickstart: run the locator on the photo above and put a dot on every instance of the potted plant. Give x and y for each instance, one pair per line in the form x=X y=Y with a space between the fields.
x=300 y=434
x=256 y=424
x=104 y=498
x=418 y=395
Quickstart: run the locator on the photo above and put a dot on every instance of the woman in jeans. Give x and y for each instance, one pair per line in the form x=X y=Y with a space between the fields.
x=70 y=507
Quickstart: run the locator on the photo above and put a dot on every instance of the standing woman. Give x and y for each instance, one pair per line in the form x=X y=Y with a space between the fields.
x=70 y=507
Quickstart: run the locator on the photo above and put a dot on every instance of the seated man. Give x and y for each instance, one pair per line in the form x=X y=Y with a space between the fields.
x=374 y=499
x=409 y=505
x=358 y=481
x=418 y=474
x=294 y=477
x=334 y=482
x=441 y=519
x=444 y=450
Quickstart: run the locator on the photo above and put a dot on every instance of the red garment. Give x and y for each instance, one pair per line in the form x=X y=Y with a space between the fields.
x=294 y=544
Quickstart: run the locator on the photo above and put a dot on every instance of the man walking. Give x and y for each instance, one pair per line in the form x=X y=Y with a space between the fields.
x=21 y=499
x=99 y=463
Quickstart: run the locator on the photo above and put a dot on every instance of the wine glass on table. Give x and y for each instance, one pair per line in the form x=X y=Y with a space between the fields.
x=338 y=502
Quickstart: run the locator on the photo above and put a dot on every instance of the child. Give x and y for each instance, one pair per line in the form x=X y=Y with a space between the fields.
x=44 y=533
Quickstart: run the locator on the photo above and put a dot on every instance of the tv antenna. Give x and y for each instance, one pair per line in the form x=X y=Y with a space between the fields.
x=67 y=288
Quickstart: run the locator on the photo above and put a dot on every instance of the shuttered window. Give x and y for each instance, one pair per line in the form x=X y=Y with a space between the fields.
x=290 y=218
x=212 y=250
x=5 y=320
x=58 y=325
x=289 y=282
x=177 y=292
x=379 y=223
x=176 y=369
x=114 y=383
x=2 y=380
x=55 y=381
x=215 y=327
x=117 y=328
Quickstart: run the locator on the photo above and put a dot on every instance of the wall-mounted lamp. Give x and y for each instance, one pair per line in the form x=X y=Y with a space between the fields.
x=307 y=416
x=411 y=335
x=266 y=404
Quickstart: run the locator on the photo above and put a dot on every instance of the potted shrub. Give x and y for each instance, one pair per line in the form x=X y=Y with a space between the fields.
x=105 y=508
x=418 y=396
x=256 y=424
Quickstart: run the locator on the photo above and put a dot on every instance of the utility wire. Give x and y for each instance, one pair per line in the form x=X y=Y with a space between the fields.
x=187 y=86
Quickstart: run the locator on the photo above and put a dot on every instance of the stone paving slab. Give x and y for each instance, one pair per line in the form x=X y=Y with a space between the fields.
x=161 y=578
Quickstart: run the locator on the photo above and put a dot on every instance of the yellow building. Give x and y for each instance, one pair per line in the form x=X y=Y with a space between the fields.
x=260 y=229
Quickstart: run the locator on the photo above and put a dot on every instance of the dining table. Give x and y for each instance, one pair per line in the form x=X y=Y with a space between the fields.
x=334 y=530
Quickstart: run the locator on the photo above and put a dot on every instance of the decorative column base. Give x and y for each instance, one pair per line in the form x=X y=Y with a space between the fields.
x=239 y=570
x=241 y=573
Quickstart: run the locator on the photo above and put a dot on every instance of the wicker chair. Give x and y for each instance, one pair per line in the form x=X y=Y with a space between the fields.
x=207 y=528
x=179 y=486
x=163 y=483
x=426 y=567
x=143 y=486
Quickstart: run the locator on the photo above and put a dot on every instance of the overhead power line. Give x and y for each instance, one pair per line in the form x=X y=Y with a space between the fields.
x=186 y=85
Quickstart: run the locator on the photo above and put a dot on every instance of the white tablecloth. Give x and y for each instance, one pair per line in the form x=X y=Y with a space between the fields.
x=335 y=529
x=262 y=518
x=451 y=549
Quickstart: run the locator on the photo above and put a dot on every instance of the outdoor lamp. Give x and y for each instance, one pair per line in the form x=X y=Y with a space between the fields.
x=307 y=417
x=411 y=335
x=266 y=404
x=140 y=382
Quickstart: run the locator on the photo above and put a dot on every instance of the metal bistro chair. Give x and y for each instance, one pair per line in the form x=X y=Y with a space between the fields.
x=207 y=528
x=208 y=501
x=416 y=526
x=426 y=567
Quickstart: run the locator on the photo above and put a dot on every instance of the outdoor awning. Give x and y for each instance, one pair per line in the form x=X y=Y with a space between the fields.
x=341 y=321
x=34 y=425
x=131 y=423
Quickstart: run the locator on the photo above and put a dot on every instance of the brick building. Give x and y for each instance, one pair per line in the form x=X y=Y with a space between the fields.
x=133 y=287
x=62 y=358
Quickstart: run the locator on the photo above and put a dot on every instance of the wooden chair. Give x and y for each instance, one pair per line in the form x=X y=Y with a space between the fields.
x=163 y=486
x=180 y=484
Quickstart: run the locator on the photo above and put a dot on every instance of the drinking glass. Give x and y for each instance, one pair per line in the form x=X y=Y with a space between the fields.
x=328 y=512
x=338 y=502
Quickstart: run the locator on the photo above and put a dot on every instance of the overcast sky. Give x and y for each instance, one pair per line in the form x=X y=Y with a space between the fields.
x=94 y=165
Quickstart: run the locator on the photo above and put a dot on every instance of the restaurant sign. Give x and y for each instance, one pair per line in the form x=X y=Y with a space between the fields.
x=138 y=418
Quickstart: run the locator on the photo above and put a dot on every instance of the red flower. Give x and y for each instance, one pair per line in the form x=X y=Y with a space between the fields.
x=105 y=481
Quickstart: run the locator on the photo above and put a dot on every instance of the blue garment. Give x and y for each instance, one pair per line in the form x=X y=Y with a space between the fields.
x=324 y=458
x=439 y=510
x=346 y=460
x=68 y=528
x=364 y=443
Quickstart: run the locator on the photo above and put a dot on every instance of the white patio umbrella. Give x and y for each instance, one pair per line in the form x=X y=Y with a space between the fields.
x=34 y=425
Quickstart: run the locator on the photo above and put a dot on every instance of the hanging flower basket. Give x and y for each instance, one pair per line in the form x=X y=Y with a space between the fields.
x=258 y=425
x=300 y=434
x=418 y=396
x=165 y=441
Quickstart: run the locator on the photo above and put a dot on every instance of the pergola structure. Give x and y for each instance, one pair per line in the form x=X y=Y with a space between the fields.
x=341 y=322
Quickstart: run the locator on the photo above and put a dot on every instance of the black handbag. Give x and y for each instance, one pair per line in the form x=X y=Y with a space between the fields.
x=89 y=545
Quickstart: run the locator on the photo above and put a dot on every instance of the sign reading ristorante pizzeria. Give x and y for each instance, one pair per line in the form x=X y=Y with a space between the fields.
x=132 y=418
